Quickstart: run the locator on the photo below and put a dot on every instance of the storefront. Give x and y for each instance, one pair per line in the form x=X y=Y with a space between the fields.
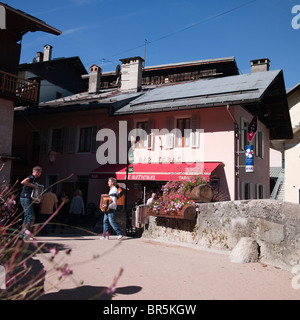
x=143 y=179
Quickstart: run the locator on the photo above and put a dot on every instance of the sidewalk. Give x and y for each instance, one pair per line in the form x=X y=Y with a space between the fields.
x=157 y=271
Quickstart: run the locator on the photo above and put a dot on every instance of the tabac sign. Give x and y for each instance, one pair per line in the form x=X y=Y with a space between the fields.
x=249 y=157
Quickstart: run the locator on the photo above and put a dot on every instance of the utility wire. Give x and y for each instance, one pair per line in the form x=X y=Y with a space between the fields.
x=186 y=28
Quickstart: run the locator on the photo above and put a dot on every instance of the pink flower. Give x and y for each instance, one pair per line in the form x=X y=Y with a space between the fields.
x=65 y=271
x=53 y=250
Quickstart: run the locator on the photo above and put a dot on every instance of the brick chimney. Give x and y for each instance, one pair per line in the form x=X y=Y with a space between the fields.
x=131 y=79
x=260 y=65
x=47 y=52
x=94 y=78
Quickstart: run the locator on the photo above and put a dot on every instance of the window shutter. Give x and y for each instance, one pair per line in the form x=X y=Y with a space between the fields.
x=94 y=142
x=150 y=141
x=150 y=135
x=194 y=137
x=44 y=140
x=72 y=141
x=170 y=136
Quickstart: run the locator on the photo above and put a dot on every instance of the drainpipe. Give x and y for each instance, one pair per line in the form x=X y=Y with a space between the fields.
x=236 y=155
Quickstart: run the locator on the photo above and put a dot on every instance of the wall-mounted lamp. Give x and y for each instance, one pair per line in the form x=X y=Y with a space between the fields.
x=52 y=156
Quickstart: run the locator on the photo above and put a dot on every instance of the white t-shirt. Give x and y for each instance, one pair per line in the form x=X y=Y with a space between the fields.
x=113 y=193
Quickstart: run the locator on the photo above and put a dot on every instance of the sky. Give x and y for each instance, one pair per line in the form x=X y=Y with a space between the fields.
x=104 y=31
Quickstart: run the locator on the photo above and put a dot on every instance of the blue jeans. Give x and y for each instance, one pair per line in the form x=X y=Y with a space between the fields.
x=109 y=217
x=28 y=213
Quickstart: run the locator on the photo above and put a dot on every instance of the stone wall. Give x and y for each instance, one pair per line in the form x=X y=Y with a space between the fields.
x=274 y=225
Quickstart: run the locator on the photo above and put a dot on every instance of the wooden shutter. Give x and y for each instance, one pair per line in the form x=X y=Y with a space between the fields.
x=72 y=141
x=44 y=140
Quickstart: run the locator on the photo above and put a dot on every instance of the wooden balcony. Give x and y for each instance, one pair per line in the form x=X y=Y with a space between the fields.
x=21 y=91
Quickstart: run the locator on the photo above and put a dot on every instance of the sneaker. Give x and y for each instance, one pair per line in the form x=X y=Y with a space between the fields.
x=120 y=237
x=103 y=238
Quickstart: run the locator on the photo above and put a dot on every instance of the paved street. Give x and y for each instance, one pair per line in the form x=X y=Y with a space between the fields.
x=155 y=270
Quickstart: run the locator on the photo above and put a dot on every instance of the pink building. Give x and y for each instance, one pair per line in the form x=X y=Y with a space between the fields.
x=192 y=123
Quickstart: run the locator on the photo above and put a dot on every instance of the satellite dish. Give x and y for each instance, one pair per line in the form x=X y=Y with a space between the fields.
x=118 y=69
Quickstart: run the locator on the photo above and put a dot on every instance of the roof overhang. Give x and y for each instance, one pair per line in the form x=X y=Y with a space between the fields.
x=17 y=21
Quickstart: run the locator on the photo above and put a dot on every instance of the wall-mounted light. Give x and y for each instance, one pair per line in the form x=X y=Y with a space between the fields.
x=52 y=156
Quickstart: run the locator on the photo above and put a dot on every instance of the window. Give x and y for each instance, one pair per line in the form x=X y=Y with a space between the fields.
x=246 y=191
x=85 y=139
x=142 y=140
x=259 y=144
x=183 y=126
x=57 y=140
x=259 y=191
x=52 y=181
x=244 y=133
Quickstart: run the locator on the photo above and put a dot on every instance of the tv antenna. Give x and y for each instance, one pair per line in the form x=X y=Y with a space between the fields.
x=145 y=44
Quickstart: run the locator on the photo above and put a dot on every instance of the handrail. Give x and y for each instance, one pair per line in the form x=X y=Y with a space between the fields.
x=18 y=88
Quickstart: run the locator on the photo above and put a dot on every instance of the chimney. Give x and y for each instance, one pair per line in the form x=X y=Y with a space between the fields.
x=131 y=79
x=47 y=52
x=39 y=56
x=94 y=78
x=260 y=65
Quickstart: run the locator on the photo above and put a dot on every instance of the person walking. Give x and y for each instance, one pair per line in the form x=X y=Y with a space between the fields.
x=29 y=184
x=48 y=203
x=109 y=214
x=76 y=208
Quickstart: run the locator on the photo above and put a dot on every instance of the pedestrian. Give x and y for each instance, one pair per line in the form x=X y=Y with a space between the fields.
x=48 y=203
x=109 y=214
x=29 y=184
x=150 y=200
x=76 y=208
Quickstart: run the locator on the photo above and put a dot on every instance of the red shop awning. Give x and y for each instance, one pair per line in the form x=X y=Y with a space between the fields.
x=156 y=171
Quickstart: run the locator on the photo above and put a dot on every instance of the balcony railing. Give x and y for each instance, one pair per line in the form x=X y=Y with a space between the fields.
x=18 y=89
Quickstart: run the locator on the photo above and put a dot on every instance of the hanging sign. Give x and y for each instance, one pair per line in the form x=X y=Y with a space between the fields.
x=249 y=156
x=252 y=128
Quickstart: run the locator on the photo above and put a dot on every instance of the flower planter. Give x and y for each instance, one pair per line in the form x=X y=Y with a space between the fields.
x=188 y=212
x=201 y=193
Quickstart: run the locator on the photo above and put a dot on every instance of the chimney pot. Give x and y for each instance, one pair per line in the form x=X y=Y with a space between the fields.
x=260 y=65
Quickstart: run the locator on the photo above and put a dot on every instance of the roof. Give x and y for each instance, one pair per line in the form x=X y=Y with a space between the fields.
x=63 y=72
x=188 y=63
x=275 y=171
x=204 y=93
x=292 y=90
x=82 y=102
x=21 y=22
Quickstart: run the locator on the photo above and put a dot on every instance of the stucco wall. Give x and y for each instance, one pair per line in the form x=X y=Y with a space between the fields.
x=274 y=225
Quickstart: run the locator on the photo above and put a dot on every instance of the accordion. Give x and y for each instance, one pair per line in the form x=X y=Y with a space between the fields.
x=36 y=194
x=105 y=201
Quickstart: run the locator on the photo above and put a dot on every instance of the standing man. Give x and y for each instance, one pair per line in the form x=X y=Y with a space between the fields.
x=29 y=184
x=48 y=202
x=109 y=215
